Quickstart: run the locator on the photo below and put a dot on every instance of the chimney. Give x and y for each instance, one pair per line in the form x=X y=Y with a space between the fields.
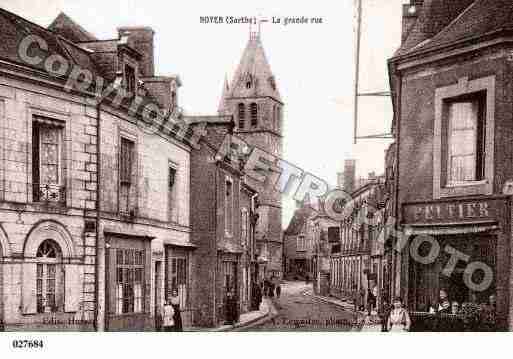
x=349 y=175
x=340 y=180
x=141 y=39
x=410 y=16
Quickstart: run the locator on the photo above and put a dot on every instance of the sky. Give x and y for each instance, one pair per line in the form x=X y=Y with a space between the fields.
x=313 y=64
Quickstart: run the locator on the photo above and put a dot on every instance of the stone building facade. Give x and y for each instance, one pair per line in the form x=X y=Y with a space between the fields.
x=298 y=248
x=452 y=103
x=223 y=225
x=65 y=264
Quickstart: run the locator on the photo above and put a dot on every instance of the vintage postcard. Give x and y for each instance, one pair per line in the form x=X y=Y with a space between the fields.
x=255 y=167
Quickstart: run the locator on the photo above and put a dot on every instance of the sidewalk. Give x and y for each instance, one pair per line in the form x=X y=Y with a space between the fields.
x=246 y=320
x=364 y=322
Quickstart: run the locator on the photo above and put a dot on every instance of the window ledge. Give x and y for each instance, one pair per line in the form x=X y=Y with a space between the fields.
x=467 y=184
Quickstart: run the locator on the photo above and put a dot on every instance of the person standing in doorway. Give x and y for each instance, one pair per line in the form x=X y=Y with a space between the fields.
x=278 y=288
x=271 y=287
x=177 y=317
x=256 y=296
x=168 y=317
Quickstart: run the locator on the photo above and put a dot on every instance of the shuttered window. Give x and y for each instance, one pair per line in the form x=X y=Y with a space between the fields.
x=229 y=207
x=126 y=172
x=254 y=114
x=242 y=115
x=171 y=195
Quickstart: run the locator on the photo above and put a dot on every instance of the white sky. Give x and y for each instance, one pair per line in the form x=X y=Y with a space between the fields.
x=313 y=64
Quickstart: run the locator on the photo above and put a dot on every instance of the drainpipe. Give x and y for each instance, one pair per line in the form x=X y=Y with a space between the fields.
x=215 y=241
x=97 y=246
x=396 y=174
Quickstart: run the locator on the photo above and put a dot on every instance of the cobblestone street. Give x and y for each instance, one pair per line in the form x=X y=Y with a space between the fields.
x=299 y=312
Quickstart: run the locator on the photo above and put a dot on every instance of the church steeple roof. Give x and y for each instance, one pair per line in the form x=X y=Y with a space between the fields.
x=221 y=109
x=253 y=77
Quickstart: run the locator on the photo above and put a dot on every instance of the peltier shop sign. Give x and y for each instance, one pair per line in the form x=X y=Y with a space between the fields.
x=454 y=212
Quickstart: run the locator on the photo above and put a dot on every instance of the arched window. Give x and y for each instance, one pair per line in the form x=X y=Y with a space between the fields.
x=242 y=115
x=49 y=288
x=254 y=114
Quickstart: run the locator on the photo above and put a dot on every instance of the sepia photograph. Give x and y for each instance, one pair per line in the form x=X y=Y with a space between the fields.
x=340 y=170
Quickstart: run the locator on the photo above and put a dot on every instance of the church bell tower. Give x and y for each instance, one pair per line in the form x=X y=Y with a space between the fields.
x=253 y=99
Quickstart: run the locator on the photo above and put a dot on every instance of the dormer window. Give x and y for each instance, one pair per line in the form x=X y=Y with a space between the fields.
x=130 y=84
x=272 y=83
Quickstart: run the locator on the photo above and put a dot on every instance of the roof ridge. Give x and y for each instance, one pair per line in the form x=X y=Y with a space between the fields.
x=69 y=19
x=9 y=13
x=454 y=21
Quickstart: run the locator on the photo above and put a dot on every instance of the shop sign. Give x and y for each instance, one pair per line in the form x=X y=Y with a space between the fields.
x=158 y=254
x=465 y=211
x=325 y=264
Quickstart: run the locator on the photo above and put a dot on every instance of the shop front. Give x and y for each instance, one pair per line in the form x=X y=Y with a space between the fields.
x=128 y=282
x=177 y=278
x=228 y=304
x=460 y=247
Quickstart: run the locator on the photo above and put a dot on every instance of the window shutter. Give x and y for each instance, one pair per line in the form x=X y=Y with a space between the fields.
x=71 y=288
x=28 y=301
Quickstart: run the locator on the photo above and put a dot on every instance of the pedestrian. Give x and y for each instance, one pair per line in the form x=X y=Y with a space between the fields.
x=177 y=317
x=271 y=287
x=278 y=289
x=371 y=301
x=256 y=296
x=168 y=317
x=399 y=319
x=266 y=287
x=384 y=312
x=444 y=305
x=488 y=314
x=230 y=308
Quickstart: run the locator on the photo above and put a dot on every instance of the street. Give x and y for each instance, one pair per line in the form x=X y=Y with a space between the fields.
x=299 y=312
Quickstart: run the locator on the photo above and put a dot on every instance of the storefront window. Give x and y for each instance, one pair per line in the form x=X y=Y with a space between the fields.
x=129 y=279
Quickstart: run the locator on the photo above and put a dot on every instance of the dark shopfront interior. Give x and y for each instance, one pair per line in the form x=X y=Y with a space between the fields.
x=428 y=279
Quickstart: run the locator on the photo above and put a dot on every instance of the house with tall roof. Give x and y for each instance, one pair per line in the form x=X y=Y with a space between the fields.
x=222 y=227
x=94 y=185
x=452 y=98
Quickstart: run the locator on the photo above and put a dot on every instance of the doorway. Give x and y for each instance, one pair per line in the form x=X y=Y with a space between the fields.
x=158 y=295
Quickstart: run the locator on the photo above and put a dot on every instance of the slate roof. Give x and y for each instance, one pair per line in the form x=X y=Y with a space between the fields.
x=254 y=62
x=434 y=16
x=63 y=25
x=13 y=29
x=298 y=220
x=480 y=18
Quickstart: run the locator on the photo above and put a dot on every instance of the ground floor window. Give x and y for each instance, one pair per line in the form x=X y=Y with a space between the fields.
x=129 y=280
x=49 y=278
x=177 y=276
x=230 y=277
x=428 y=279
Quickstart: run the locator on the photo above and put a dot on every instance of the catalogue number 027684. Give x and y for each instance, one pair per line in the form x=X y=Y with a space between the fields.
x=28 y=344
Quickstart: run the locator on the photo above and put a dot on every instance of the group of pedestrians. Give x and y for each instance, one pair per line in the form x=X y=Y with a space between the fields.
x=171 y=317
x=271 y=287
x=444 y=316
